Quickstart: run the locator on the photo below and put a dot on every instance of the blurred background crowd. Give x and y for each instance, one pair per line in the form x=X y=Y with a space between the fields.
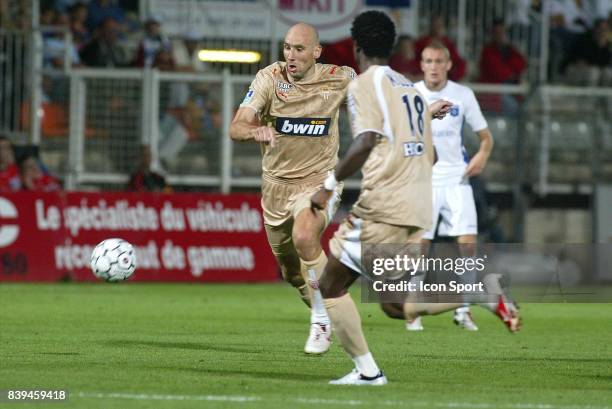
x=116 y=35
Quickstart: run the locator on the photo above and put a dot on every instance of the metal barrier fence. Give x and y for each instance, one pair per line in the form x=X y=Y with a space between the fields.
x=184 y=118
x=91 y=123
x=15 y=80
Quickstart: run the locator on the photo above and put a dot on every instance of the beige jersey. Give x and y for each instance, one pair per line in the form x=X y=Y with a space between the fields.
x=396 y=187
x=305 y=116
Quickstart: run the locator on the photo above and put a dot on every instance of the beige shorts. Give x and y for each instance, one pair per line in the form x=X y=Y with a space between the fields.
x=282 y=202
x=357 y=239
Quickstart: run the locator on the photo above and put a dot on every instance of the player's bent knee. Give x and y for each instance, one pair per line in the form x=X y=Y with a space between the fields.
x=305 y=241
x=306 y=232
x=304 y=237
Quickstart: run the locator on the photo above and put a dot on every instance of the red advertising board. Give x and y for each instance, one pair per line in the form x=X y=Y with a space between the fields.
x=177 y=237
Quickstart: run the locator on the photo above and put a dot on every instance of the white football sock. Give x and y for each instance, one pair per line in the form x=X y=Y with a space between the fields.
x=469 y=277
x=318 y=314
x=464 y=309
x=366 y=365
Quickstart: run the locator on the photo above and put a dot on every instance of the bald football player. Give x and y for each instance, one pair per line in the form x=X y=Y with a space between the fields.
x=291 y=110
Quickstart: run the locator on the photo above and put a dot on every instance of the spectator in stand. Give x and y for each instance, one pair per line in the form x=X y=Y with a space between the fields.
x=80 y=33
x=517 y=16
x=144 y=179
x=15 y=15
x=438 y=33
x=520 y=25
x=101 y=10
x=154 y=41
x=33 y=178
x=55 y=85
x=54 y=45
x=47 y=17
x=9 y=172
x=130 y=6
x=602 y=9
x=104 y=50
x=591 y=61
x=176 y=124
x=501 y=63
x=569 y=20
x=64 y=6
x=405 y=60
x=185 y=53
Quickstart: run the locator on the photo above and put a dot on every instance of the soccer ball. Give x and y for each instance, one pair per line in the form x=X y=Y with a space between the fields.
x=113 y=260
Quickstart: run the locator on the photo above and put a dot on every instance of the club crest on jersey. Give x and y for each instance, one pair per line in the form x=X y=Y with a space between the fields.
x=248 y=97
x=314 y=284
x=283 y=86
x=303 y=126
x=454 y=111
x=414 y=149
x=325 y=93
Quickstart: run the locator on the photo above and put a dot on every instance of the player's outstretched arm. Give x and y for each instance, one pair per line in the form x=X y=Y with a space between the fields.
x=479 y=161
x=245 y=127
x=353 y=161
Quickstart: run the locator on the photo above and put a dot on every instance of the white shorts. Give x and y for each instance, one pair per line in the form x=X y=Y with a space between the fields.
x=455 y=207
x=382 y=240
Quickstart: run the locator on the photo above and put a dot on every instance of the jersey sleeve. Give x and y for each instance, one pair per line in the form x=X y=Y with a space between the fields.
x=473 y=114
x=350 y=73
x=258 y=95
x=364 y=109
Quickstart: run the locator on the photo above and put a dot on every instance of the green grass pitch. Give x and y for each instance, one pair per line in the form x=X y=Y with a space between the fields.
x=240 y=346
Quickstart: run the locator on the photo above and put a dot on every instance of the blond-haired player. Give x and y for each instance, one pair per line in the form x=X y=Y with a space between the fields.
x=392 y=145
x=291 y=110
x=453 y=199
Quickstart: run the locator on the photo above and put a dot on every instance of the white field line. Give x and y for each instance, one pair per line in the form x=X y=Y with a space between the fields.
x=147 y=396
x=339 y=402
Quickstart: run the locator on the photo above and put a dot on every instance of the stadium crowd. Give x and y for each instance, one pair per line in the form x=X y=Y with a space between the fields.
x=113 y=34
x=109 y=33
x=23 y=171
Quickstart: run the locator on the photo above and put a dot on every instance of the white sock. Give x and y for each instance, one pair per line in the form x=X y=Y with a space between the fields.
x=493 y=291
x=366 y=365
x=318 y=314
x=464 y=309
x=468 y=277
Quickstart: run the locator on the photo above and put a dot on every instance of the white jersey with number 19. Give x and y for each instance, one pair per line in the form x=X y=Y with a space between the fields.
x=447 y=133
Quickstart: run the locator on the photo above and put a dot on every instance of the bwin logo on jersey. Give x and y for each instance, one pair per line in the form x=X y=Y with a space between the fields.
x=303 y=126
x=414 y=149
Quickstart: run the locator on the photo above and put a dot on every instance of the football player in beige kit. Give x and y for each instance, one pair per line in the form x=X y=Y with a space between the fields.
x=392 y=145
x=291 y=110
